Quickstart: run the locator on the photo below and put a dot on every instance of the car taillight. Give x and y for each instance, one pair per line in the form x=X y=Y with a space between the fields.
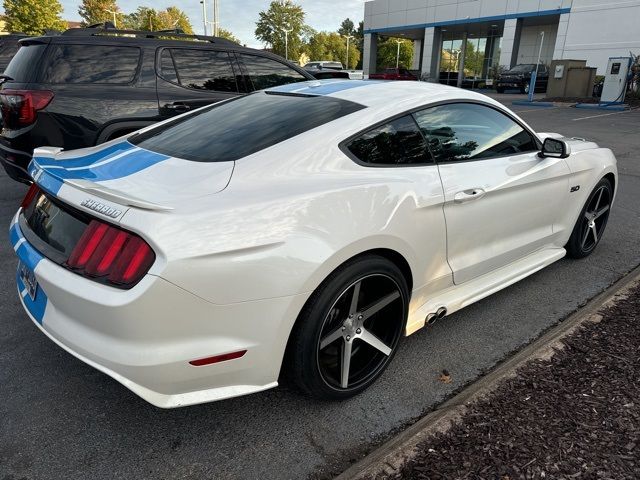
x=20 y=107
x=31 y=194
x=103 y=250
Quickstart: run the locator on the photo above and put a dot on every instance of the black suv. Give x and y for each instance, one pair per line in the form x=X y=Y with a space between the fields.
x=520 y=77
x=90 y=85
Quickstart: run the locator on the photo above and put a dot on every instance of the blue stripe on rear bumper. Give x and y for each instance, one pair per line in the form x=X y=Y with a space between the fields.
x=30 y=257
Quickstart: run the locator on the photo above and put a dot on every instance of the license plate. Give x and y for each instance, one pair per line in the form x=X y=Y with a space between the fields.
x=29 y=279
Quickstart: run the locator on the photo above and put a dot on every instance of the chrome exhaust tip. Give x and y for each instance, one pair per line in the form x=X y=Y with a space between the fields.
x=431 y=318
x=441 y=312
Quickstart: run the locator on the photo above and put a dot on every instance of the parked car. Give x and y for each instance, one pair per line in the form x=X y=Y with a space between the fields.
x=299 y=233
x=321 y=65
x=88 y=86
x=451 y=78
x=8 y=47
x=519 y=77
x=393 y=74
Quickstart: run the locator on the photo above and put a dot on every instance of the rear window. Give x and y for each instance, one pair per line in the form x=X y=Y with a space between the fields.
x=91 y=64
x=23 y=65
x=8 y=49
x=245 y=125
x=267 y=73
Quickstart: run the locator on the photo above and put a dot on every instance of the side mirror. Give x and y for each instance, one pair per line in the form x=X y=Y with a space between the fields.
x=555 y=148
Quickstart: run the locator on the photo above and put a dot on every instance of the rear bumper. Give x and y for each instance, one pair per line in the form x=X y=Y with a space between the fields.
x=145 y=337
x=15 y=163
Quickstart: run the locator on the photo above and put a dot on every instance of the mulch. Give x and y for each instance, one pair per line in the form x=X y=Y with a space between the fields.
x=576 y=415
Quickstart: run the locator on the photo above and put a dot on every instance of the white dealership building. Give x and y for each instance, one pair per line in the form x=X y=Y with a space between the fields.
x=502 y=32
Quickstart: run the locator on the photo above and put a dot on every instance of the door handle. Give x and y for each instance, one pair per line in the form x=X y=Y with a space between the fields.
x=177 y=107
x=469 y=195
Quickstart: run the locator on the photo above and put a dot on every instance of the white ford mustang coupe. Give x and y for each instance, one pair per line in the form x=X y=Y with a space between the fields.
x=300 y=232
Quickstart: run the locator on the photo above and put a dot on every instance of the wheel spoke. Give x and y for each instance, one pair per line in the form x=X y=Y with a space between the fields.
x=601 y=212
x=595 y=234
x=354 y=299
x=374 y=341
x=380 y=304
x=330 y=338
x=345 y=364
x=585 y=236
x=599 y=198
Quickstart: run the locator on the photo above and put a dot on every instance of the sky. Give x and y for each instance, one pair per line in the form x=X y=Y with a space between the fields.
x=240 y=16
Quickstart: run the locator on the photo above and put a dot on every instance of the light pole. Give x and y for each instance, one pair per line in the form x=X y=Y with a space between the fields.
x=286 y=41
x=216 y=18
x=349 y=37
x=534 y=77
x=398 y=54
x=115 y=21
x=204 y=16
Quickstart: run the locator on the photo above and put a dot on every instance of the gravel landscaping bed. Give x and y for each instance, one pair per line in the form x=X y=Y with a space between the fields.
x=576 y=415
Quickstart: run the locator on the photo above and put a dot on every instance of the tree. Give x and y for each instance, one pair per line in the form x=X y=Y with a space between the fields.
x=97 y=11
x=33 y=17
x=223 y=33
x=271 y=25
x=332 y=46
x=144 y=18
x=347 y=28
x=388 y=50
x=172 y=18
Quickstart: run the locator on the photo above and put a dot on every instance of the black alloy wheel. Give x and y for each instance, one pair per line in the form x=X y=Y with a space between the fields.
x=592 y=222
x=349 y=329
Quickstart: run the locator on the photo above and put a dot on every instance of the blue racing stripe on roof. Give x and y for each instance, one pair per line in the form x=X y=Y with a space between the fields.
x=322 y=87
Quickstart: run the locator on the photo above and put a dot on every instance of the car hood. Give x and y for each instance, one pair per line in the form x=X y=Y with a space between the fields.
x=129 y=175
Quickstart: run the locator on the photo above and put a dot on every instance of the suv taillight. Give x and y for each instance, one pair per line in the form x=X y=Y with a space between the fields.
x=103 y=250
x=20 y=107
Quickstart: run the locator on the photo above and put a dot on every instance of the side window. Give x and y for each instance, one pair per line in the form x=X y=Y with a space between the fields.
x=266 y=73
x=110 y=64
x=467 y=131
x=398 y=142
x=167 y=67
x=204 y=69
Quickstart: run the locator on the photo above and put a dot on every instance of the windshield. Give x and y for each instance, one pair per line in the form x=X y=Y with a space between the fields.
x=242 y=126
x=525 y=68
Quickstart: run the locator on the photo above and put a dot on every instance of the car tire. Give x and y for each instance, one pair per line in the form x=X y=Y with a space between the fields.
x=591 y=223
x=332 y=328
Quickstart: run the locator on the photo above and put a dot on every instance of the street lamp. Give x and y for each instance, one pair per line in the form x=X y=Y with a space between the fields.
x=398 y=54
x=349 y=37
x=115 y=21
x=204 y=16
x=286 y=31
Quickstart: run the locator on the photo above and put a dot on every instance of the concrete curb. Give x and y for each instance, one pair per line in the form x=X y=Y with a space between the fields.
x=395 y=453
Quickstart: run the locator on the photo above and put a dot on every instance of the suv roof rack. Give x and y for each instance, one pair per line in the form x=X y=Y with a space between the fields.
x=107 y=28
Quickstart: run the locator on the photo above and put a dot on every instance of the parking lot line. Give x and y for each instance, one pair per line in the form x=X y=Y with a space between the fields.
x=604 y=115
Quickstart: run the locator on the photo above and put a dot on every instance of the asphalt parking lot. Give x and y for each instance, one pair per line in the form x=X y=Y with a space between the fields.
x=60 y=419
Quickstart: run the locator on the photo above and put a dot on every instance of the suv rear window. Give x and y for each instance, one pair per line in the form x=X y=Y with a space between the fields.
x=22 y=67
x=91 y=64
x=235 y=129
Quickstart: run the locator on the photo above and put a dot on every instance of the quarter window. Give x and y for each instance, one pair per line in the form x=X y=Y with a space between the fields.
x=266 y=73
x=91 y=64
x=467 y=131
x=398 y=142
x=201 y=69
